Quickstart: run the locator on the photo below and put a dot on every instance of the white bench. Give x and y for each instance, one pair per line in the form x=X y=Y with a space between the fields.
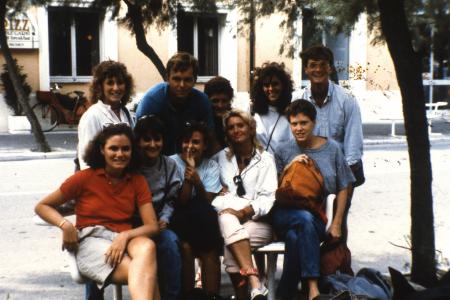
x=78 y=278
x=434 y=113
x=271 y=251
x=393 y=120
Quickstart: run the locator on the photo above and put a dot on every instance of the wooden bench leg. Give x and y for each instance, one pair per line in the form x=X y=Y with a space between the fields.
x=271 y=269
x=117 y=295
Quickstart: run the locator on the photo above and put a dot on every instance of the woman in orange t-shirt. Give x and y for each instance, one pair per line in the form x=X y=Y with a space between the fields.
x=106 y=247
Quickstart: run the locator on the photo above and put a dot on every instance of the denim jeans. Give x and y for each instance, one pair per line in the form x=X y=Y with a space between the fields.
x=92 y=292
x=169 y=269
x=302 y=233
x=169 y=264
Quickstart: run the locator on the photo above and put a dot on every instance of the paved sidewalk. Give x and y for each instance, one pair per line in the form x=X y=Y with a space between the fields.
x=22 y=146
x=33 y=266
x=64 y=142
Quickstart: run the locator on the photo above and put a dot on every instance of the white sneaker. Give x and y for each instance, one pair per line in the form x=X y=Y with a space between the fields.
x=259 y=293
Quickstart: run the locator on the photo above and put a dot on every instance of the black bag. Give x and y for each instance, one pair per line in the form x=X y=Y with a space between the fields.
x=358 y=172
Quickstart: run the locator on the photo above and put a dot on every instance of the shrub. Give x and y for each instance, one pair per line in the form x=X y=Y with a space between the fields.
x=8 y=89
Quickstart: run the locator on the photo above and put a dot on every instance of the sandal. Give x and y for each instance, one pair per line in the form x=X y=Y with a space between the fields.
x=245 y=273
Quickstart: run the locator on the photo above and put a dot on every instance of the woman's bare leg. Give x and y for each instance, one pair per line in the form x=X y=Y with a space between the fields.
x=242 y=253
x=240 y=290
x=313 y=288
x=142 y=270
x=210 y=263
x=188 y=268
x=120 y=274
x=139 y=269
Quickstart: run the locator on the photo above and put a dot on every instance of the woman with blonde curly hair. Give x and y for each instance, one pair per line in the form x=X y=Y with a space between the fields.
x=111 y=89
x=249 y=177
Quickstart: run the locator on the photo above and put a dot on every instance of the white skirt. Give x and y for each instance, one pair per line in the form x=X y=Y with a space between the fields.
x=90 y=257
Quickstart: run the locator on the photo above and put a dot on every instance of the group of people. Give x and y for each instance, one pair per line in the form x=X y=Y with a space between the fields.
x=194 y=178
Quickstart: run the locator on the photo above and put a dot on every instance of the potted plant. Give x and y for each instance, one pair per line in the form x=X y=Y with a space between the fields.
x=17 y=122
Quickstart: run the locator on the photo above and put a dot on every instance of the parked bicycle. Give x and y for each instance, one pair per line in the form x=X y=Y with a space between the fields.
x=54 y=107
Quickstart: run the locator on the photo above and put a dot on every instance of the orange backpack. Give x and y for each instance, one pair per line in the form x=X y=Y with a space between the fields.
x=303 y=182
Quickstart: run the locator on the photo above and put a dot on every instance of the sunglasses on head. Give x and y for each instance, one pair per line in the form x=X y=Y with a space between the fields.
x=240 y=186
x=150 y=116
x=189 y=124
x=106 y=125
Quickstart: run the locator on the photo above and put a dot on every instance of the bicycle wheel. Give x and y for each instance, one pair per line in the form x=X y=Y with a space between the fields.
x=47 y=116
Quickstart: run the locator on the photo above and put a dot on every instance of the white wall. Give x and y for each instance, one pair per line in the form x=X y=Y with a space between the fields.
x=4 y=112
x=358 y=52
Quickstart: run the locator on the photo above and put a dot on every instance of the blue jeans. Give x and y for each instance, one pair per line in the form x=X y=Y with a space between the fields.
x=169 y=269
x=169 y=264
x=302 y=233
x=92 y=292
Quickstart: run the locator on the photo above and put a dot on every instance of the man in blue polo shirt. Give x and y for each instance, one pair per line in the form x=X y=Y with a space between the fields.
x=176 y=101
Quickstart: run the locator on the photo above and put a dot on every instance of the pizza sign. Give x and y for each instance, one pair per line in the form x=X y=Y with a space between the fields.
x=21 y=32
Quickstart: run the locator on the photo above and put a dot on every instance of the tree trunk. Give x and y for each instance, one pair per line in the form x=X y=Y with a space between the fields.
x=39 y=136
x=135 y=15
x=408 y=68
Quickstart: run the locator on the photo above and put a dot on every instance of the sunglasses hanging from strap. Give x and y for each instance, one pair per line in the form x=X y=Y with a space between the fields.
x=238 y=181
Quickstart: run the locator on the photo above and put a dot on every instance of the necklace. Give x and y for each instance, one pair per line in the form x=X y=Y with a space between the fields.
x=243 y=162
x=112 y=180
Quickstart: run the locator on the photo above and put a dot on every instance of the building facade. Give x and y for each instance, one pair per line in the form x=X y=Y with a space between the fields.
x=60 y=44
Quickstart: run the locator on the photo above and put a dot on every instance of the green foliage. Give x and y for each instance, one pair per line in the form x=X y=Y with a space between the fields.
x=9 y=93
x=340 y=16
x=21 y=5
x=158 y=13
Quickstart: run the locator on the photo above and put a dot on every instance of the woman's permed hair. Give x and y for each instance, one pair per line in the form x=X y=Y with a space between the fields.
x=301 y=106
x=147 y=127
x=94 y=156
x=251 y=123
x=110 y=69
x=263 y=74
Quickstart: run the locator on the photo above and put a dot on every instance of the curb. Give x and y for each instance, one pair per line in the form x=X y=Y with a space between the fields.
x=18 y=156
x=26 y=154
x=401 y=140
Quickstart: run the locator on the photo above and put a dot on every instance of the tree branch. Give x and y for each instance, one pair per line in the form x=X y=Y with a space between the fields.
x=135 y=15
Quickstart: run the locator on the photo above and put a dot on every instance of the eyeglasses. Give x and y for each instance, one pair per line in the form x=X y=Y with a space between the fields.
x=240 y=186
